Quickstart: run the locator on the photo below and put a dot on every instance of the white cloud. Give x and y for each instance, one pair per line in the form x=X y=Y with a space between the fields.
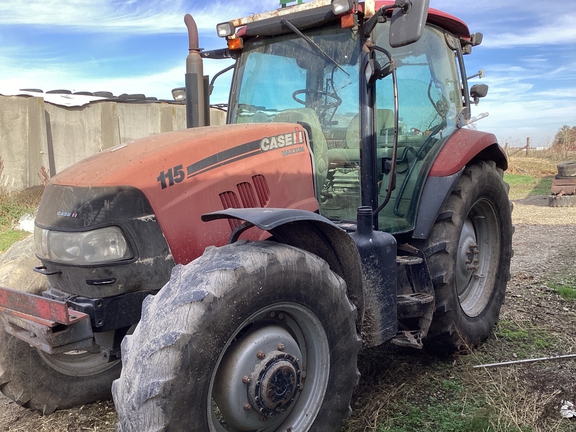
x=516 y=23
x=558 y=31
x=517 y=118
x=101 y=16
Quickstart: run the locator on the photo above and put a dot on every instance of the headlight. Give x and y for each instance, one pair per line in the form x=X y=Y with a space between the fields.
x=88 y=247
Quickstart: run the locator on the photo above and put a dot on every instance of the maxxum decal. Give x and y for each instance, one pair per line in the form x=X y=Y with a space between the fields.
x=178 y=173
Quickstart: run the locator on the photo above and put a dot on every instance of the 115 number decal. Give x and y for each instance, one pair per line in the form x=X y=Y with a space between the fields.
x=171 y=176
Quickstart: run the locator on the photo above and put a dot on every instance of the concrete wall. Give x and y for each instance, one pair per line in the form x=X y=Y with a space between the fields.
x=23 y=141
x=36 y=136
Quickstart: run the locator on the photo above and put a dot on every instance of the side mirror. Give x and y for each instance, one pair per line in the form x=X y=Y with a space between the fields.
x=478 y=91
x=408 y=21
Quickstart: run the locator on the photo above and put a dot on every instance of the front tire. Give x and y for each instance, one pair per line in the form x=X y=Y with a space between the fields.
x=33 y=378
x=250 y=336
x=47 y=382
x=469 y=251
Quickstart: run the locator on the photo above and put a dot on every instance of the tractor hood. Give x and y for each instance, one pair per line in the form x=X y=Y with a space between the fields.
x=140 y=163
x=176 y=177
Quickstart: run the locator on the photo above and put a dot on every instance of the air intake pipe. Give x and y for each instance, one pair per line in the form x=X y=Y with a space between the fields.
x=194 y=79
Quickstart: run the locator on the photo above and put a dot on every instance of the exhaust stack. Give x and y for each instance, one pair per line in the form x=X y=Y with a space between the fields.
x=194 y=79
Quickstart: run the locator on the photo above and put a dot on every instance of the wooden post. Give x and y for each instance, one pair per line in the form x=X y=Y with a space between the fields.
x=527 y=145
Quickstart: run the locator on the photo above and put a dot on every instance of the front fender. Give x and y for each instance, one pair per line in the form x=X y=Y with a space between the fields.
x=313 y=233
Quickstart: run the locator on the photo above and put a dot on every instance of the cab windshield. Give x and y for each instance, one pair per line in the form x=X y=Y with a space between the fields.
x=286 y=79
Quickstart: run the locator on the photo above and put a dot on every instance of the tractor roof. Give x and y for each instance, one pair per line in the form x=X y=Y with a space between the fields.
x=449 y=22
x=441 y=19
x=435 y=16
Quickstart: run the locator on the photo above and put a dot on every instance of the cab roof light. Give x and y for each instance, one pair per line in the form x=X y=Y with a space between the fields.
x=340 y=7
x=225 y=29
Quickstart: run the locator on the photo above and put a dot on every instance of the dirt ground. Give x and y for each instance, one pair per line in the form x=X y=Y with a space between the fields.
x=544 y=244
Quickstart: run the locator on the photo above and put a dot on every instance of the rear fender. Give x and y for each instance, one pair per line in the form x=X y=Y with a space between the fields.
x=465 y=145
x=461 y=148
x=311 y=232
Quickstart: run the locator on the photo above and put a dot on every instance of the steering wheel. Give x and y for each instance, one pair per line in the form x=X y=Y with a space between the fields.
x=328 y=105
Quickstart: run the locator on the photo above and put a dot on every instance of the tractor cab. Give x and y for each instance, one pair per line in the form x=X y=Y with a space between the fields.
x=321 y=77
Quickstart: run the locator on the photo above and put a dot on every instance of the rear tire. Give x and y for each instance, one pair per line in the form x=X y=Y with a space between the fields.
x=469 y=251
x=250 y=336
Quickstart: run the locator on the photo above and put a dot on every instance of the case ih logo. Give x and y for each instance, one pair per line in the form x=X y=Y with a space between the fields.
x=72 y=214
x=284 y=140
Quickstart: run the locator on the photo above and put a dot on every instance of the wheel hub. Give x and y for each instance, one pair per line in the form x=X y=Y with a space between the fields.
x=477 y=251
x=467 y=262
x=259 y=379
x=274 y=383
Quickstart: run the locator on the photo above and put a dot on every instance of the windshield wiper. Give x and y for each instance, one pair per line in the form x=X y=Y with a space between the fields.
x=312 y=43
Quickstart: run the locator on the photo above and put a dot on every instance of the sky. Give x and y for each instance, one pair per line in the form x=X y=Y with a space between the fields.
x=140 y=46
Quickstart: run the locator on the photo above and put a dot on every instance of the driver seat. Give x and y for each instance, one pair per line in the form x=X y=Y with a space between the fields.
x=384 y=123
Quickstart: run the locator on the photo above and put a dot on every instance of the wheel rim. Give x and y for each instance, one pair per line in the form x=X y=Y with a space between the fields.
x=78 y=363
x=272 y=373
x=478 y=252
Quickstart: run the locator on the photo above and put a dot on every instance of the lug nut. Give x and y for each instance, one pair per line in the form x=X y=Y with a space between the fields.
x=247 y=406
x=260 y=354
x=281 y=347
x=246 y=379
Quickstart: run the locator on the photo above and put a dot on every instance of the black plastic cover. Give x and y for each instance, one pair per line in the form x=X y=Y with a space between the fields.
x=68 y=208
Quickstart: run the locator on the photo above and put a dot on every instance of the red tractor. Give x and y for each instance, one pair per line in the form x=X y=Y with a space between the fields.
x=235 y=271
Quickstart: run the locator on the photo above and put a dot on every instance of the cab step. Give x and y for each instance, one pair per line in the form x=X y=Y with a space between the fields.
x=413 y=305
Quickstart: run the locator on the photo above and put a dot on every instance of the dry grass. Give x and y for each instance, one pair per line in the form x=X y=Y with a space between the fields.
x=508 y=393
x=12 y=207
x=404 y=392
x=532 y=166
